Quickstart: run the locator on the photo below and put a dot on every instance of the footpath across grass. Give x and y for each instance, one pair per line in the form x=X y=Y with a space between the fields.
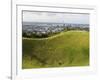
x=65 y=49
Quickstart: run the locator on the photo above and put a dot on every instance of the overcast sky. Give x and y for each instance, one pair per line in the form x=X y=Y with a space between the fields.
x=55 y=17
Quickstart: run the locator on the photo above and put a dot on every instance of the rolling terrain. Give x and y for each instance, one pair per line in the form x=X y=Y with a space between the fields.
x=65 y=49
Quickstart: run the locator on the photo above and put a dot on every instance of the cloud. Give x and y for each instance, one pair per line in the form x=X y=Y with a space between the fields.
x=55 y=17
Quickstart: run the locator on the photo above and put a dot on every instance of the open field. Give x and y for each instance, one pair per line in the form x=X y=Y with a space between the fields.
x=65 y=49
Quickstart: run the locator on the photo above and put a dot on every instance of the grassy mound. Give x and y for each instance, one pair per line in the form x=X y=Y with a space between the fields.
x=64 y=49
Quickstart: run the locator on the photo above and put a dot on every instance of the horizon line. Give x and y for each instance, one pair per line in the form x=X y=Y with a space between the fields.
x=54 y=22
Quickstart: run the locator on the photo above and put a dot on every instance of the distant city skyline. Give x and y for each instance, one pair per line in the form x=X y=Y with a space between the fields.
x=55 y=17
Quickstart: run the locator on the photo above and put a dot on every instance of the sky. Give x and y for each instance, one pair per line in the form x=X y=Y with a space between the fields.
x=29 y=16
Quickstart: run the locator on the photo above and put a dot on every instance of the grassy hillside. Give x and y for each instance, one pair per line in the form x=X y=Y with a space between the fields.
x=64 y=49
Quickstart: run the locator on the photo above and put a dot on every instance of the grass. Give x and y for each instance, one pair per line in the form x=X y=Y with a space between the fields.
x=62 y=50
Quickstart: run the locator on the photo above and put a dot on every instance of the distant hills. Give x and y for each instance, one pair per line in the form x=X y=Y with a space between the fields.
x=55 y=24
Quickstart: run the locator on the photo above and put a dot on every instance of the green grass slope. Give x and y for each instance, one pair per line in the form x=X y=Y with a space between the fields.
x=62 y=50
